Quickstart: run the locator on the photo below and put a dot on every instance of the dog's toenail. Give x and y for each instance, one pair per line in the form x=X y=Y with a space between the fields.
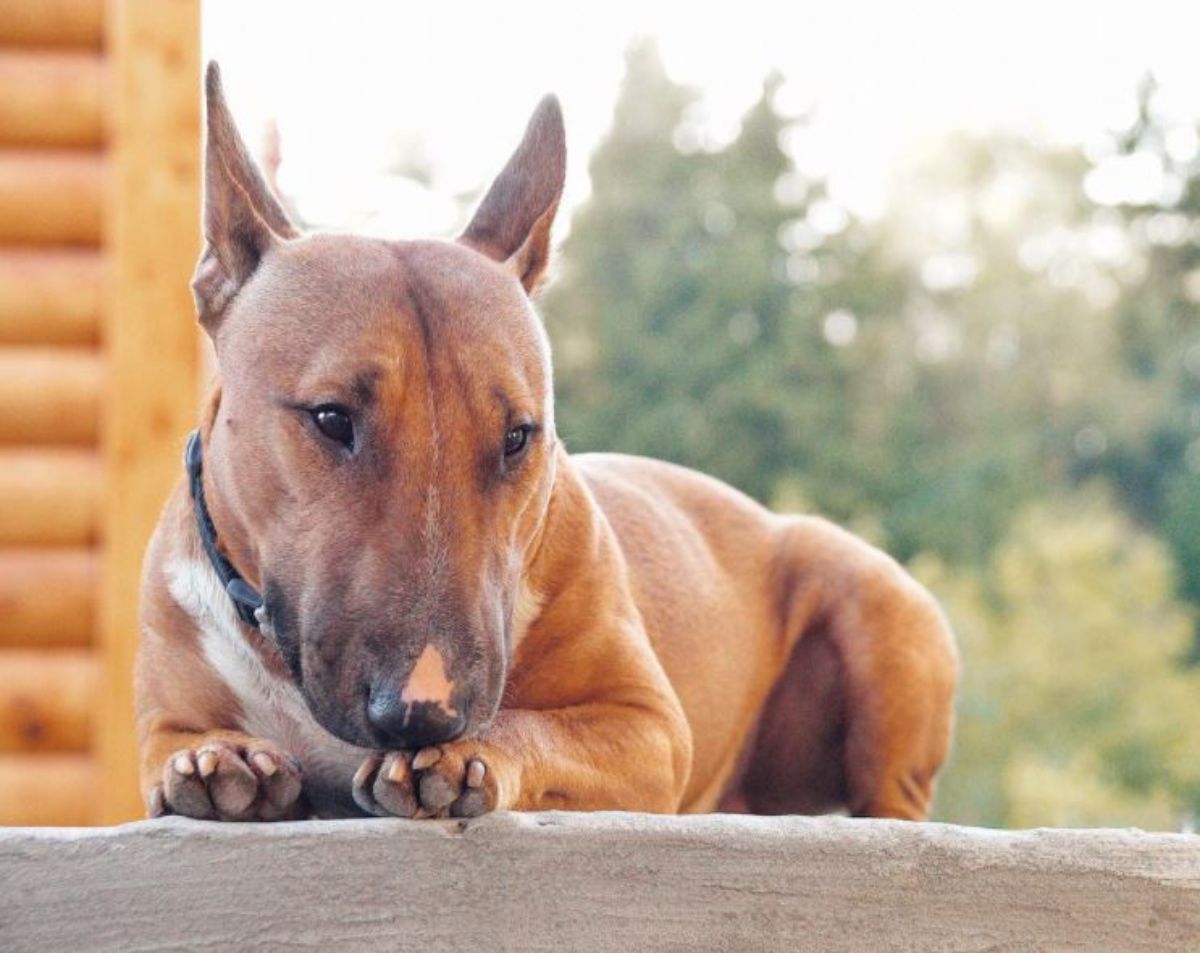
x=365 y=770
x=183 y=765
x=398 y=771
x=264 y=762
x=207 y=762
x=475 y=772
x=426 y=758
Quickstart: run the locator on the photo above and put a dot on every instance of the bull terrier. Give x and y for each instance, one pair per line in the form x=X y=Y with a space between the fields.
x=384 y=587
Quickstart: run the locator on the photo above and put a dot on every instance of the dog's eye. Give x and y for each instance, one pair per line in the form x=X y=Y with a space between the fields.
x=516 y=439
x=334 y=422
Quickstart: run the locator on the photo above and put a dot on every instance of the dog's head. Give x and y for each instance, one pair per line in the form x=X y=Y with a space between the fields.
x=381 y=454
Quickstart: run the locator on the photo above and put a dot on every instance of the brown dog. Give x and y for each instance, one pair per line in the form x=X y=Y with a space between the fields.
x=455 y=615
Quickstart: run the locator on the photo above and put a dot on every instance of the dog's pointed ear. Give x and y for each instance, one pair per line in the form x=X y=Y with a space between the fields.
x=242 y=219
x=512 y=224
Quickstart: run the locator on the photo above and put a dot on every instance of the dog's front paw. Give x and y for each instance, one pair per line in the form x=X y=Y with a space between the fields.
x=452 y=780
x=228 y=781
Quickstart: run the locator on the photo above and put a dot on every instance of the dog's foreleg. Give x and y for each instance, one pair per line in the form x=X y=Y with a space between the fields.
x=578 y=736
x=588 y=757
x=193 y=759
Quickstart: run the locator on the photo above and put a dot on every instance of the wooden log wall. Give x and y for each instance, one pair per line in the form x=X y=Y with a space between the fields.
x=99 y=211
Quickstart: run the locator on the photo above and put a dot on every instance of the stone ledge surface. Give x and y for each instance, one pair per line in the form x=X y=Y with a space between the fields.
x=605 y=882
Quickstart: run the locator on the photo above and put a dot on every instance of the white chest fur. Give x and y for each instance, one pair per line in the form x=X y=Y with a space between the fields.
x=272 y=707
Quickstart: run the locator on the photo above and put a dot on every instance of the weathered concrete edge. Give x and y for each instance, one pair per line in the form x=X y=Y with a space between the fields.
x=596 y=882
x=1178 y=854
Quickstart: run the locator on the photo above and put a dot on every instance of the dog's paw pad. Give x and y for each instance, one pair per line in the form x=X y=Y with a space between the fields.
x=229 y=782
x=437 y=792
x=475 y=799
x=278 y=782
x=232 y=785
x=156 y=802
x=457 y=783
x=393 y=788
x=184 y=791
x=362 y=787
x=383 y=786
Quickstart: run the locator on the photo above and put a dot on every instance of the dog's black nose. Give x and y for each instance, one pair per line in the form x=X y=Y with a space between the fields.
x=404 y=725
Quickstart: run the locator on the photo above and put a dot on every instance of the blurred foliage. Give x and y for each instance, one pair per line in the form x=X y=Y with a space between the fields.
x=999 y=382
x=1073 y=701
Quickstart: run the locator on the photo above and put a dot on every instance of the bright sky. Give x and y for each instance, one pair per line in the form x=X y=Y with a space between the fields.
x=351 y=81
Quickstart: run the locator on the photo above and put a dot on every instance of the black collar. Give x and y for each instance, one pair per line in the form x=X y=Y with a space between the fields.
x=245 y=599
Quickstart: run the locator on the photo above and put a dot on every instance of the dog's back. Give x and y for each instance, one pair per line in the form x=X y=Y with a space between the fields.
x=799 y=610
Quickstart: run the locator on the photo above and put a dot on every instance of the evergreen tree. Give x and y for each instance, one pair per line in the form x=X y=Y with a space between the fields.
x=989 y=359
x=1151 y=417
x=679 y=329
x=627 y=268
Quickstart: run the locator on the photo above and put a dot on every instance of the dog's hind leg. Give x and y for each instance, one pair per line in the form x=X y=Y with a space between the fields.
x=860 y=717
x=795 y=763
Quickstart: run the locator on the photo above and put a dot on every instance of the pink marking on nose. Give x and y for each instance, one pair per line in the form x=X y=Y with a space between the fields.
x=429 y=682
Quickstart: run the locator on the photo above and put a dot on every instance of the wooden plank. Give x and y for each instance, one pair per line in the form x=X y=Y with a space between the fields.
x=51 y=197
x=51 y=296
x=47 y=597
x=54 y=23
x=51 y=99
x=49 y=497
x=50 y=395
x=46 y=789
x=153 y=350
x=597 y=883
x=46 y=699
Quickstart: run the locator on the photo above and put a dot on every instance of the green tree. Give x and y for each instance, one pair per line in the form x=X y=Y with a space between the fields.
x=626 y=268
x=682 y=327
x=1151 y=417
x=978 y=375
x=1073 y=709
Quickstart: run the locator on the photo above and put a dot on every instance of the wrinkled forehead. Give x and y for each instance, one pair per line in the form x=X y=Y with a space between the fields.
x=326 y=303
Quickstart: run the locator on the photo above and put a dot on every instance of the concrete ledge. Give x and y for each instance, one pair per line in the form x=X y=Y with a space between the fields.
x=621 y=882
